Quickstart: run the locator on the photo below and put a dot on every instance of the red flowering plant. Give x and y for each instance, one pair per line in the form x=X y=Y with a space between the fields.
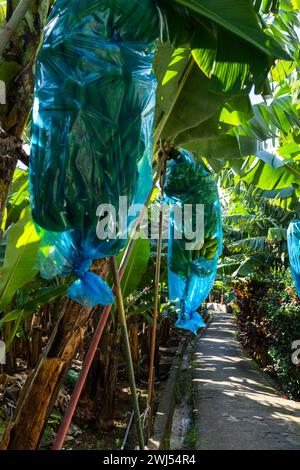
x=251 y=320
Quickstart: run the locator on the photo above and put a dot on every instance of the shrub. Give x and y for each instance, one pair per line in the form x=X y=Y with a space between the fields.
x=268 y=320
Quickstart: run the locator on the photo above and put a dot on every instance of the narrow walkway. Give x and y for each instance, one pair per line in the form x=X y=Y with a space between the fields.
x=236 y=403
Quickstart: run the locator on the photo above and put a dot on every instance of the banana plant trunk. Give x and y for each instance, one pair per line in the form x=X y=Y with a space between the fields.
x=42 y=386
x=17 y=73
x=41 y=389
x=98 y=395
x=10 y=152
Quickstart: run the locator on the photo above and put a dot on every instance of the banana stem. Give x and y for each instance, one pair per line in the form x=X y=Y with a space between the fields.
x=12 y=24
x=165 y=117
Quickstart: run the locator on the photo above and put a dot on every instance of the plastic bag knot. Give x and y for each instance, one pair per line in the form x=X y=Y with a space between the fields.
x=89 y=289
x=190 y=321
x=82 y=268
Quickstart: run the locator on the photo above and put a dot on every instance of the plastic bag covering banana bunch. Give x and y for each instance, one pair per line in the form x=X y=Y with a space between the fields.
x=293 y=243
x=91 y=134
x=192 y=272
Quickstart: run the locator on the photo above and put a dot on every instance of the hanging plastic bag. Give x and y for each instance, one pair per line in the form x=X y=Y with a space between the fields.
x=293 y=243
x=91 y=134
x=192 y=264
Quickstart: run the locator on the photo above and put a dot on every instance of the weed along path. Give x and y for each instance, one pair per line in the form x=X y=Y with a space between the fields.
x=236 y=405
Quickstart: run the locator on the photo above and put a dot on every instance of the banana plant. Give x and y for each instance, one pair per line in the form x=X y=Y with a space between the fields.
x=19 y=266
x=226 y=53
x=203 y=100
x=22 y=291
x=136 y=267
x=254 y=231
x=23 y=22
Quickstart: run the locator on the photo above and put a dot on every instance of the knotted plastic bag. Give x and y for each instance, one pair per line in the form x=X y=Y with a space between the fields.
x=293 y=243
x=192 y=262
x=91 y=134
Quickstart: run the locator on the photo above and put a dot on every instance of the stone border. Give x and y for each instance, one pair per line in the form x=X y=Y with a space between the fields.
x=167 y=402
x=164 y=415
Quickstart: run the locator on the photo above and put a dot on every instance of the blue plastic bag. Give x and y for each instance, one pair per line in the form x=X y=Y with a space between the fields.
x=192 y=272
x=92 y=133
x=293 y=243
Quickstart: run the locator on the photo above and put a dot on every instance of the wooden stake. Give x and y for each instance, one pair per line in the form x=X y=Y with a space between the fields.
x=155 y=314
x=124 y=331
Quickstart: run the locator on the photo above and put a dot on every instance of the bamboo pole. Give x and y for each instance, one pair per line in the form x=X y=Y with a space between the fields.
x=127 y=431
x=130 y=370
x=155 y=315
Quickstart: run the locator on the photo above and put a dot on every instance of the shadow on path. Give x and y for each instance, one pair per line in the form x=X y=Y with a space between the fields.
x=236 y=403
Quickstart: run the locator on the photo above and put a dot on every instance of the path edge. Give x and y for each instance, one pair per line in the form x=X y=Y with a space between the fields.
x=167 y=403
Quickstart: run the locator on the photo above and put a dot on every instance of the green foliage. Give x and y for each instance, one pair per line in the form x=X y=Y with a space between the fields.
x=136 y=266
x=238 y=17
x=2 y=13
x=22 y=292
x=279 y=115
x=285 y=322
x=228 y=44
x=204 y=79
x=19 y=266
x=269 y=322
x=18 y=197
x=39 y=297
x=254 y=230
x=185 y=96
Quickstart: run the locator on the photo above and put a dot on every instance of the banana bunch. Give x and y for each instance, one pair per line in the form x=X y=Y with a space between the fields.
x=91 y=139
x=208 y=249
x=190 y=183
x=94 y=70
x=187 y=182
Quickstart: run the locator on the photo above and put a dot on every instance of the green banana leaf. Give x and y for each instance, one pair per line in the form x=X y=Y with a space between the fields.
x=257 y=244
x=136 y=266
x=269 y=173
x=280 y=116
x=277 y=234
x=238 y=17
x=43 y=296
x=225 y=147
x=19 y=265
x=228 y=43
x=250 y=265
x=18 y=197
x=190 y=105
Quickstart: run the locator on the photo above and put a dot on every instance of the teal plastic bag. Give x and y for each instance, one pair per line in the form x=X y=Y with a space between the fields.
x=293 y=243
x=192 y=272
x=91 y=134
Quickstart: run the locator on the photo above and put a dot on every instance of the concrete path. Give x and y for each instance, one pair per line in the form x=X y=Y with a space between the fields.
x=236 y=403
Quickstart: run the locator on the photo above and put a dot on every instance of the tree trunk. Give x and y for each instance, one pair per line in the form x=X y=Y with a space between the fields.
x=40 y=396
x=107 y=383
x=10 y=152
x=98 y=395
x=16 y=71
x=48 y=375
x=10 y=366
x=36 y=345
